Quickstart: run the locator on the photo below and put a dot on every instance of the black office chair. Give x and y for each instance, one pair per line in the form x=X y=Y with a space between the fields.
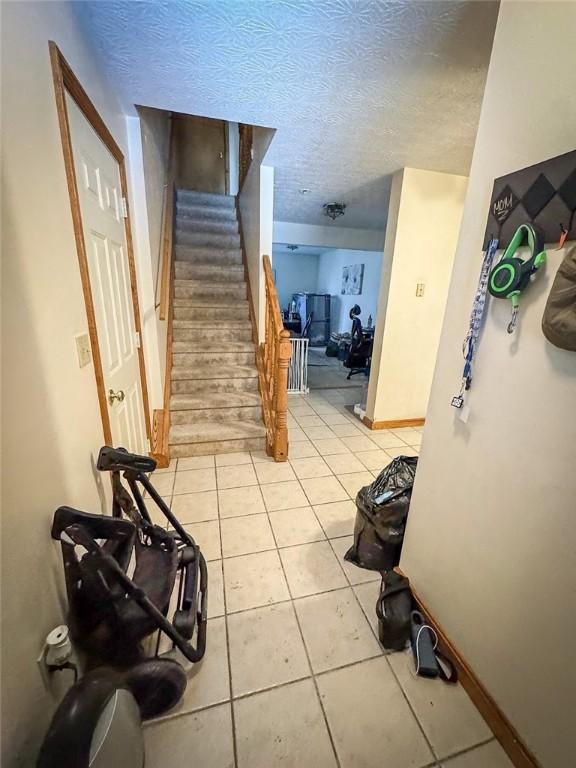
x=360 y=352
x=306 y=332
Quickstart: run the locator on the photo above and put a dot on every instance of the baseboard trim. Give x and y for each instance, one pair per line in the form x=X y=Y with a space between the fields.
x=496 y=720
x=393 y=424
x=159 y=451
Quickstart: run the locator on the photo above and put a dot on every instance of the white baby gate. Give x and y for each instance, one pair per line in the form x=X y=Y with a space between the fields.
x=298 y=370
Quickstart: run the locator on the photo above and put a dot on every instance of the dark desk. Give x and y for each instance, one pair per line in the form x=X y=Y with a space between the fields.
x=294 y=326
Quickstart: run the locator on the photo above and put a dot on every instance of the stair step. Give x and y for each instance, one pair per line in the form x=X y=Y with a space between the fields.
x=209 y=239
x=184 y=287
x=212 y=302
x=205 y=387
x=206 y=212
x=213 y=273
x=197 y=343
x=214 y=358
x=192 y=197
x=210 y=431
x=213 y=371
x=221 y=415
x=211 y=313
x=212 y=226
x=224 y=446
x=223 y=337
x=222 y=401
x=209 y=255
x=218 y=325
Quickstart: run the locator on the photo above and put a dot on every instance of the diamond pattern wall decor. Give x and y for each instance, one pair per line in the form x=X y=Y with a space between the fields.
x=357 y=89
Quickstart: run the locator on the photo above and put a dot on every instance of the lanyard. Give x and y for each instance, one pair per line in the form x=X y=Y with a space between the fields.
x=476 y=316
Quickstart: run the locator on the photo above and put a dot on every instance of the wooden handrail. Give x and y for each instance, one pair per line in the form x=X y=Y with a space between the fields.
x=167 y=230
x=273 y=360
x=161 y=421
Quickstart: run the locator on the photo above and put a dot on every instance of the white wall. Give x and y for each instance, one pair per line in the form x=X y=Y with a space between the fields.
x=330 y=281
x=155 y=130
x=256 y=212
x=490 y=541
x=233 y=149
x=423 y=225
x=295 y=272
x=51 y=428
x=144 y=207
x=328 y=236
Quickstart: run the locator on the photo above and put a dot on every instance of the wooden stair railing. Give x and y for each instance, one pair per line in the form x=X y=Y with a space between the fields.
x=161 y=417
x=273 y=360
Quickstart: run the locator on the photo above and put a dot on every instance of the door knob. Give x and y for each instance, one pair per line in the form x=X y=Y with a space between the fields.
x=115 y=396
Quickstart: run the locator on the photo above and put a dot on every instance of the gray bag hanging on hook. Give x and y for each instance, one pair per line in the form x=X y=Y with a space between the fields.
x=559 y=319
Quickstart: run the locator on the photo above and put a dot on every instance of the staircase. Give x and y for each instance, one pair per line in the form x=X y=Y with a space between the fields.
x=215 y=405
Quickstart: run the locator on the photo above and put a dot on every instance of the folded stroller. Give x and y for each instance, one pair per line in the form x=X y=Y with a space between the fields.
x=122 y=574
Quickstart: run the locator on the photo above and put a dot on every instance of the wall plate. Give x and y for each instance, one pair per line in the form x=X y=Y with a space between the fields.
x=83 y=349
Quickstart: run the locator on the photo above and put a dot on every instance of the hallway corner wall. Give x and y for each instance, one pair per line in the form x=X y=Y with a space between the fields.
x=490 y=538
x=423 y=223
x=256 y=201
x=148 y=172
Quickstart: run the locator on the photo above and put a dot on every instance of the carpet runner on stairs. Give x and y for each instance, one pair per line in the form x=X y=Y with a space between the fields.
x=215 y=405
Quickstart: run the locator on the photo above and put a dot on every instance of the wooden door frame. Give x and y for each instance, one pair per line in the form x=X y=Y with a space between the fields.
x=65 y=80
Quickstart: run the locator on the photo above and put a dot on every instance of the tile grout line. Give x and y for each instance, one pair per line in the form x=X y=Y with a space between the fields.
x=448 y=758
x=411 y=708
x=291 y=599
x=382 y=654
x=312 y=674
x=355 y=597
x=231 y=704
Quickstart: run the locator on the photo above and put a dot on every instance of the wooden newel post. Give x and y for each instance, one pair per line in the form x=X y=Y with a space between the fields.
x=281 y=396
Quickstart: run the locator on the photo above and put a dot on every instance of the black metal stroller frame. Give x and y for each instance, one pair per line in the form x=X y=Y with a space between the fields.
x=108 y=563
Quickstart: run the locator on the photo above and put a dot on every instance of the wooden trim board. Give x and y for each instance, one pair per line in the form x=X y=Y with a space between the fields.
x=65 y=80
x=258 y=360
x=161 y=429
x=394 y=424
x=167 y=230
x=496 y=720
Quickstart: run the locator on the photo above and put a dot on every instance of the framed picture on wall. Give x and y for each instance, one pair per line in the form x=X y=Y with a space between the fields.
x=352 y=279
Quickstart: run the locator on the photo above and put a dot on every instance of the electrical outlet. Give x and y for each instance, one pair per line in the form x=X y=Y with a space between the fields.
x=419 y=290
x=83 y=349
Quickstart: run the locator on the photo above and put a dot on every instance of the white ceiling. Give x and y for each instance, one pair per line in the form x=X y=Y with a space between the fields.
x=356 y=88
x=302 y=250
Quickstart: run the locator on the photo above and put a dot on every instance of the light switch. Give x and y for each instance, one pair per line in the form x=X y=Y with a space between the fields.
x=419 y=290
x=83 y=349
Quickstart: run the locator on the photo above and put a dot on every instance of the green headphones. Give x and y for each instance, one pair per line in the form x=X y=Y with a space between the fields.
x=511 y=274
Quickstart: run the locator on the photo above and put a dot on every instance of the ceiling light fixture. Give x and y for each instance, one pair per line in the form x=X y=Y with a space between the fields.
x=333 y=210
x=292 y=247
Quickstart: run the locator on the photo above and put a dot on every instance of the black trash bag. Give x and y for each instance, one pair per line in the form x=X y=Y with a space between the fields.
x=382 y=511
x=394 y=611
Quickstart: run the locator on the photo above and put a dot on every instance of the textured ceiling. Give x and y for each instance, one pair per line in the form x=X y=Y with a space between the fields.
x=356 y=88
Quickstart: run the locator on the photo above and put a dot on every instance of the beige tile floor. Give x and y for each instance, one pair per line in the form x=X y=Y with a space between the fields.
x=294 y=675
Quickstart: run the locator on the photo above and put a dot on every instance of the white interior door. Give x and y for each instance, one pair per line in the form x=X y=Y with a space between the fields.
x=100 y=193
